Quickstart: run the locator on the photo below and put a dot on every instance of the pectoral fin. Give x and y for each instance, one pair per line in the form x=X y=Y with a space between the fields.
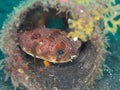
x=34 y=57
x=33 y=50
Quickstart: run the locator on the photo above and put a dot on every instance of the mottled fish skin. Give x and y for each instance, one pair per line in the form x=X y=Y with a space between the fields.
x=49 y=44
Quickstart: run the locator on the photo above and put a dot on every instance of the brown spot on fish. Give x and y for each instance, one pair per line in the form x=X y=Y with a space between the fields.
x=35 y=36
x=56 y=34
x=51 y=38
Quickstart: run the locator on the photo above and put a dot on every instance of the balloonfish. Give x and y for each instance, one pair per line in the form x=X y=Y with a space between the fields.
x=51 y=45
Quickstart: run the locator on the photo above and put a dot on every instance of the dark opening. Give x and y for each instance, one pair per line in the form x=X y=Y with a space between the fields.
x=36 y=18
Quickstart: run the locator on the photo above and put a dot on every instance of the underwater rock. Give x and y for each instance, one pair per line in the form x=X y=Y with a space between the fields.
x=27 y=74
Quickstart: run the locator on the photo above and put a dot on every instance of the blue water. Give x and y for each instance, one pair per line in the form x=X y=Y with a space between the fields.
x=111 y=69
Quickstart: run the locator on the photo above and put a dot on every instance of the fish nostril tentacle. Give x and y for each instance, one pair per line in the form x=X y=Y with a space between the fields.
x=35 y=36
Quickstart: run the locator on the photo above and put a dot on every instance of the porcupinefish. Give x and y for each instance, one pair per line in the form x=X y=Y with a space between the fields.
x=51 y=45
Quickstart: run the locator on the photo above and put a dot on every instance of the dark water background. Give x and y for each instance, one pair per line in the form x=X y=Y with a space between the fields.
x=111 y=68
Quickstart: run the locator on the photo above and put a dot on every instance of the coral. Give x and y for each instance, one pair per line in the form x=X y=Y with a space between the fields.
x=83 y=25
x=82 y=32
x=111 y=18
x=85 y=2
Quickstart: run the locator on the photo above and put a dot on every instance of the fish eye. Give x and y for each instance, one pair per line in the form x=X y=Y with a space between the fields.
x=60 y=52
